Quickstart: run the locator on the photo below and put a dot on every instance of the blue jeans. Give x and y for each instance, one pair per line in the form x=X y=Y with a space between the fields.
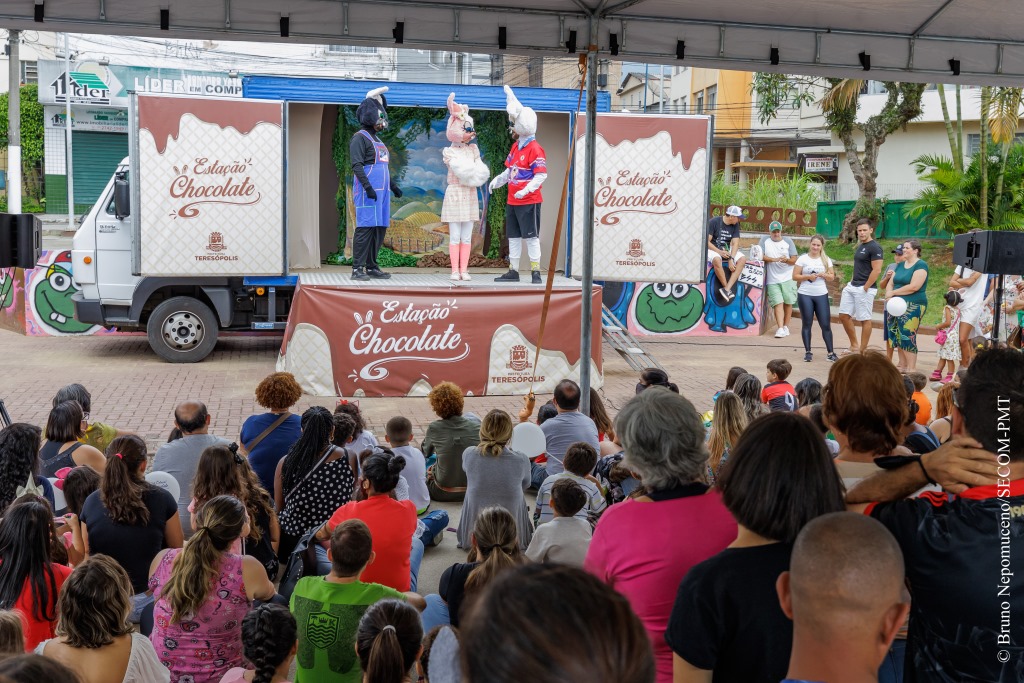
x=433 y=525
x=538 y=473
x=436 y=613
x=891 y=670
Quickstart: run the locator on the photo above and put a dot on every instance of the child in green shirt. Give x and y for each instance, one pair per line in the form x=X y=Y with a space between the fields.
x=328 y=608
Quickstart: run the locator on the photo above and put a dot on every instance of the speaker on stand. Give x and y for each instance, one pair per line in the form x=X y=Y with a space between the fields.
x=21 y=240
x=992 y=252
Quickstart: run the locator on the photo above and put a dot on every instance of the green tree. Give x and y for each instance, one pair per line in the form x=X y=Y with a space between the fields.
x=839 y=105
x=952 y=199
x=31 y=139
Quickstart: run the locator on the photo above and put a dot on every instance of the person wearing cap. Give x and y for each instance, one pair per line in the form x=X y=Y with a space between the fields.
x=780 y=255
x=723 y=249
x=886 y=276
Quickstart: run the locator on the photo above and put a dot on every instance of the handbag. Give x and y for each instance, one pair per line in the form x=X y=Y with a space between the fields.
x=940 y=337
x=1014 y=340
x=302 y=562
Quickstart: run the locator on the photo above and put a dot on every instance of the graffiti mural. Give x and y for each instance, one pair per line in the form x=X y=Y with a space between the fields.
x=37 y=302
x=666 y=308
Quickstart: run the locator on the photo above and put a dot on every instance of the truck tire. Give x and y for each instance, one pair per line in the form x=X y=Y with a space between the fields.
x=182 y=330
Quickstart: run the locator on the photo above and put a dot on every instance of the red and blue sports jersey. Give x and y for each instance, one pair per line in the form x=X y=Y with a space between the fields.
x=523 y=164
x=780 y=396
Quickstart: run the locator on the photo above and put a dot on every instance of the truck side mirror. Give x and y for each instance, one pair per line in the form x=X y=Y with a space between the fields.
x=122 y=196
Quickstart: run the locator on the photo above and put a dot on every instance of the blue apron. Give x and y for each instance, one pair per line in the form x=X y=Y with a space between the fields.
x=374 y=212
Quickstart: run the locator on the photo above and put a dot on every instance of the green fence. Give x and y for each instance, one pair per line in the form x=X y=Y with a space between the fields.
x=894 y=224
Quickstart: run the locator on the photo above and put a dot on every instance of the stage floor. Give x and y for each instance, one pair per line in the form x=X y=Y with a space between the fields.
x=398 y=280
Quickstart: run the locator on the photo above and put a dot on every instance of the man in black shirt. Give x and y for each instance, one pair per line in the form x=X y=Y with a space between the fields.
x=964 y=552
x=858 y=296
x=723 y=248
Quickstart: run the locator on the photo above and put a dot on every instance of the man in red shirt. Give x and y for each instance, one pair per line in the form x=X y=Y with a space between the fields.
x=526 y=169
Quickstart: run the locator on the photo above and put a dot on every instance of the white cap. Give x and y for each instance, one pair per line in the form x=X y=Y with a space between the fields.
x=735 y=211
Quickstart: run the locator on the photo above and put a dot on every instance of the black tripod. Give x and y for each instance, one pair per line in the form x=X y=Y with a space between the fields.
x=5 y=417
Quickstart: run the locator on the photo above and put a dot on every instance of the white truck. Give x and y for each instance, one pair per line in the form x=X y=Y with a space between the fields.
x=189 y=236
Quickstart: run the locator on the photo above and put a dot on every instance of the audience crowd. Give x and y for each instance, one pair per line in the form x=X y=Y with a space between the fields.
x=832 y=533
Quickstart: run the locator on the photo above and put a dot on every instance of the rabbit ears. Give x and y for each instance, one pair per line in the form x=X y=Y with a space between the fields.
x=512 y=104
x=455 y=109
x=378 y=94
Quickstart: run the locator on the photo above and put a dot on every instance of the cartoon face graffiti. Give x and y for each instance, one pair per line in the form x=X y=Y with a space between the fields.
x=6 y=287
x=667 y=307
x=738 y=313
x=51 y=298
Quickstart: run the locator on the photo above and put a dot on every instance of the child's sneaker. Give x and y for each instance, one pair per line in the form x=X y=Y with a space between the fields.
x=936 y=376
x=947 y=379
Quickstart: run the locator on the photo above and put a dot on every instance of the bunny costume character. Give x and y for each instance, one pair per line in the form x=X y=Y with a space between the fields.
x=372 y=186
x=466 y=172
x=526 y=169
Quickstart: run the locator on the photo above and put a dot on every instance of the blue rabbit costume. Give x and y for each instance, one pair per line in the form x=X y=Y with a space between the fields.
x=372 y=186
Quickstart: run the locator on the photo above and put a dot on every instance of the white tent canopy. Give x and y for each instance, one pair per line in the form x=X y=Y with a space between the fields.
x=948 y=41
x=905 y=39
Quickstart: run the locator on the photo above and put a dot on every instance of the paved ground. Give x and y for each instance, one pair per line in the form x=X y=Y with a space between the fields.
x=134 y=389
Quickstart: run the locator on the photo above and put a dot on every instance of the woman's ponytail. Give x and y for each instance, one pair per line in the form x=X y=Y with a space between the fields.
x=495 y=546
x=388 y=641
x=121 y=487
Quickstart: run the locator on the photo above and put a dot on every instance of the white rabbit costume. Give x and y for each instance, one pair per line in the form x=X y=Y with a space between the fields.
x=466 y=172
x=525 y=172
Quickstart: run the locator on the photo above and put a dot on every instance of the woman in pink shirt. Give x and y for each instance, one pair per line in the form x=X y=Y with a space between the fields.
x=644 y=546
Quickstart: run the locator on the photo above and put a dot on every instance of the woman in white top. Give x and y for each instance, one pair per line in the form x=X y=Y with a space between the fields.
x=812 y=271
x=94 y=638
x=971 y=284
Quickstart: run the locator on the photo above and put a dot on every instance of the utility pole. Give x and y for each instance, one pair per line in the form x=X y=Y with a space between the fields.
x=67 y=134
x=14 y=125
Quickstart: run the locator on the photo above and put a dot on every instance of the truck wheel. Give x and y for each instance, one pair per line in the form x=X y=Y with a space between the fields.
x=182 y=330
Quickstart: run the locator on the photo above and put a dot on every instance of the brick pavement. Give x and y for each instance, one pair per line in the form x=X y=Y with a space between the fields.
x=134 y=389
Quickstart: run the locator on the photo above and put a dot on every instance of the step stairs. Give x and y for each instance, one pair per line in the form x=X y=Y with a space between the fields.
x=615 y=333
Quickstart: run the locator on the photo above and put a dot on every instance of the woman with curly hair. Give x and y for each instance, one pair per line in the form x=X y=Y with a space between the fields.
x=130 y=519
x=446 y=440
x=222 y=472
x=19 y=464
x=266 y=438
x=94 y=637
x=203 y=592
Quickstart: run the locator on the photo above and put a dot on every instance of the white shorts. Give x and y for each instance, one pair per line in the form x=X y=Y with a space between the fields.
x=715 y=256
x=970 y=315
x=857 y=303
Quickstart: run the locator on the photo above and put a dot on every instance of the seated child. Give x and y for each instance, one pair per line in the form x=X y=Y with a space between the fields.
x=580 y=459
x=268 y=642
x=398 y=434
x=924 y=405
x=328 y=608
x=730 y=380
x=778 y=393
x=566 y=537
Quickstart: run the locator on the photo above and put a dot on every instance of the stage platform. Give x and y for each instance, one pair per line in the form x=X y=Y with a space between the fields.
x=405 y=280
x=403 y=335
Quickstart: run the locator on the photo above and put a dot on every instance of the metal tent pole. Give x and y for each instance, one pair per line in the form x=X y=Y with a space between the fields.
x=68 y=136
x=586 y=324
x=14 y=125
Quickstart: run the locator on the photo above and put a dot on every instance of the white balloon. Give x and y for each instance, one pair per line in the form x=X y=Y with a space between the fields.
x=896 y=306
x=59 y=502
x=166 y=482
x=529 y=439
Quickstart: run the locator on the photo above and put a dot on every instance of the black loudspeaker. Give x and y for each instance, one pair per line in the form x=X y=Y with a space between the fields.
x=21 y=240
x=990 y=252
